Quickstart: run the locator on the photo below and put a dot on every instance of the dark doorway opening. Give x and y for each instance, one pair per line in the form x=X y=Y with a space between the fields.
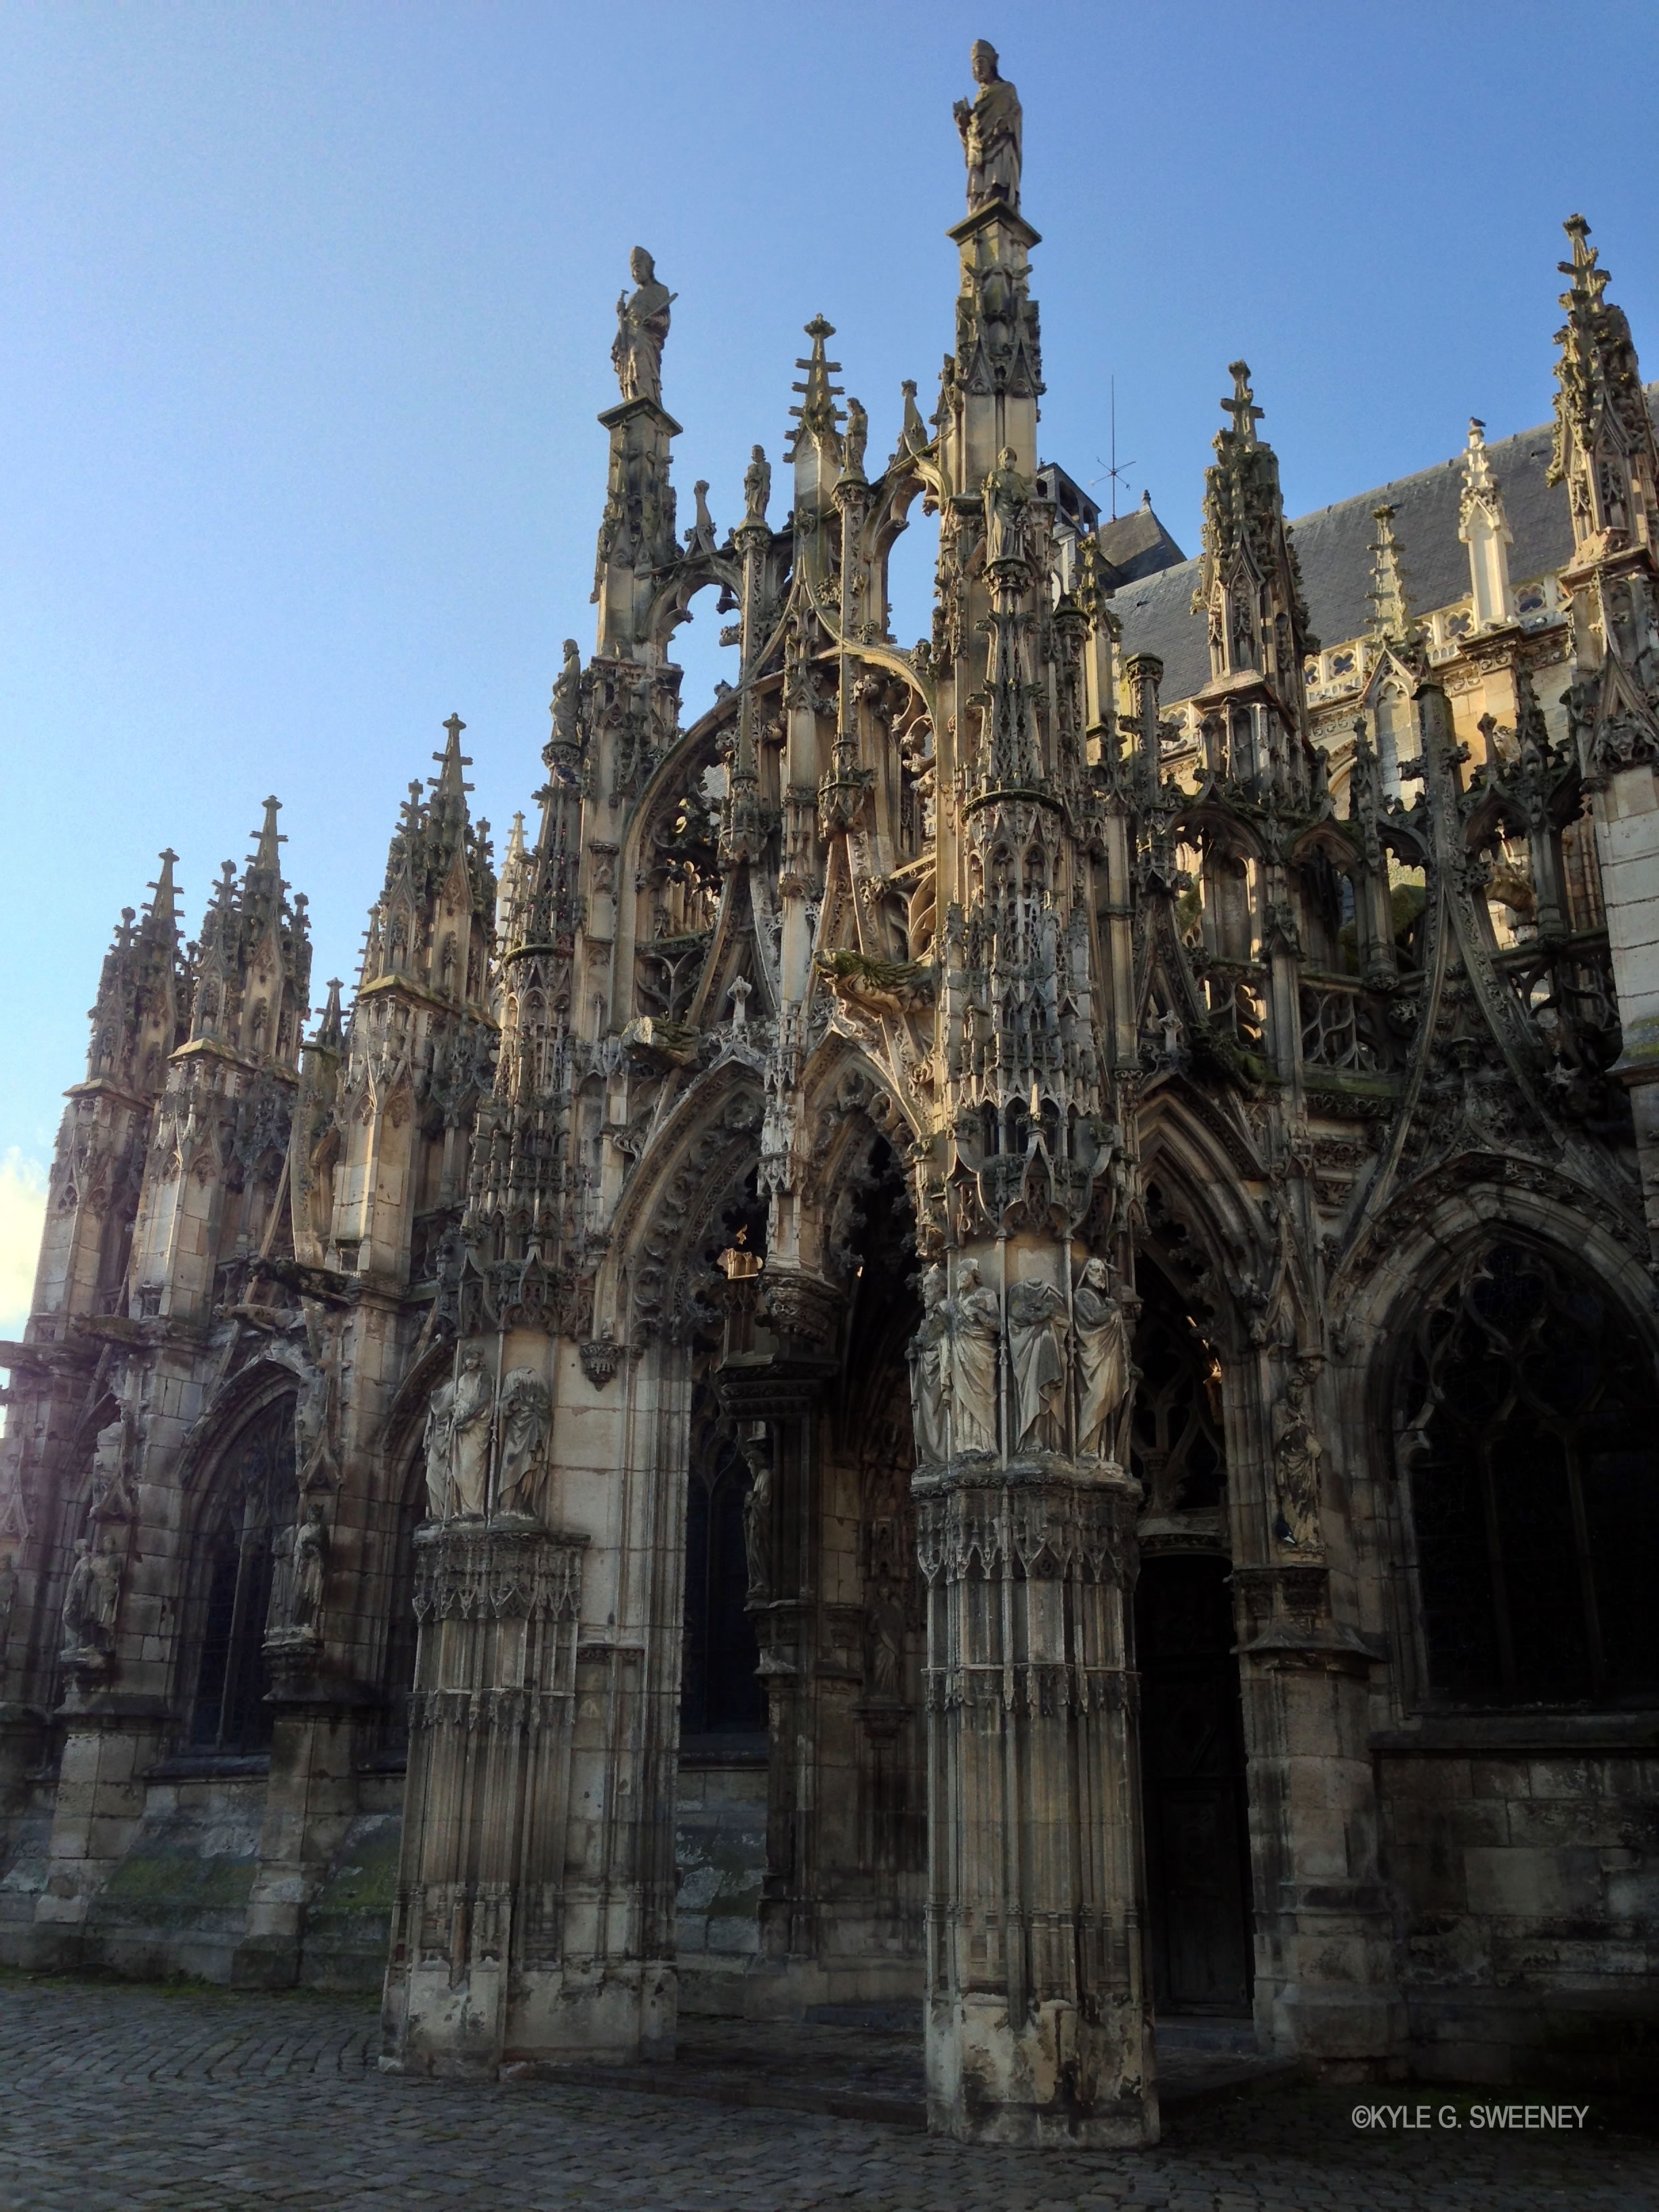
x=721 y=1694
x=1192 y=1759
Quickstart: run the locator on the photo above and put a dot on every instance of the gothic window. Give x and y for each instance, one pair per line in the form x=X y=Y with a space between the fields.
x=249 y=1514
x=1175 y=1448
x=1529 y=1420
x=718 y=1692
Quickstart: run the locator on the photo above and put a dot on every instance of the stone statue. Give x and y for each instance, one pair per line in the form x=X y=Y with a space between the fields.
x=642 y=327
x=1297 y=1452
x=855 y=439
x=756 y=486
x=305 y=1602
x=92 y=1596
x=975 y=1342
x=883 y=1637
x=1008 y=499
x=527 y=1415
x=1101 y=1348
x=281 y=1601
x=300 y=1557
x=566 y=698
x=112 y=1496
x=757 y=1515
x=457 y=1440
x=990 y=128
x=77 y=1598
x=312 y=1459
x=930 y=1372
x=1037 y=1354
x=470 y=1440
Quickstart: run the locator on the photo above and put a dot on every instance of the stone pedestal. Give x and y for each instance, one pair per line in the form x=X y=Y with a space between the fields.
x=111 y=1738
x=478 y=1973
x=1038 y=2015
x=311 y=1799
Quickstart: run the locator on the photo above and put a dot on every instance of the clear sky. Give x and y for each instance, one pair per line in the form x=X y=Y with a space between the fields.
x=306 y=312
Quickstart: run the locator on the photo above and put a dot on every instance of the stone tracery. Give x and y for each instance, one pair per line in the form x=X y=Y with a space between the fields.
x=954 y=1006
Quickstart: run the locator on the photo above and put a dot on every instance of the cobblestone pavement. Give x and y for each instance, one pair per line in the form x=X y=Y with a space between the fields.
x=116 y=2098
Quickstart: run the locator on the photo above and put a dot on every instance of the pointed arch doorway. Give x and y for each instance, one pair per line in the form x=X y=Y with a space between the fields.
x=1194 y=1809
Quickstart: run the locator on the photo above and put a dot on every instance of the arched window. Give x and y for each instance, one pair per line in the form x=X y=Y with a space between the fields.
x=249 y=1518
x=1530 y=1420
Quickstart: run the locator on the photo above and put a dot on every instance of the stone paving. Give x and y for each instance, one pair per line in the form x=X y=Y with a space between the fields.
x=114 y=2098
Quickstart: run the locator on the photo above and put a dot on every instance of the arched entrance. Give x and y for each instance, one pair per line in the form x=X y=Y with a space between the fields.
x=1192 y=1741
x=1192 y=1756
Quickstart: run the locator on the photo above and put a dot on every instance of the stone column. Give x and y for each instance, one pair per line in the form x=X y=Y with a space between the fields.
x=1038 y=2019
x=1038 y=2015
x=476 y=1972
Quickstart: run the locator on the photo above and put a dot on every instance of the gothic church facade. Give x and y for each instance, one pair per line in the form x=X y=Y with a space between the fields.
x=982 y=1337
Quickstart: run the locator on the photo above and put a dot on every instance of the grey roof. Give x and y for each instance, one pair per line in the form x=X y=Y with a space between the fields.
x=1137 y=545
x=1334 y=545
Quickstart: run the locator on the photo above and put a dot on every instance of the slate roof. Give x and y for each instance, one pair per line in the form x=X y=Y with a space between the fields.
x=1334 y=545
x=1138 y=544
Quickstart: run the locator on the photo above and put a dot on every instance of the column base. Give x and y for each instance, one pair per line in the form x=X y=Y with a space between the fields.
x=1057 y=2080
x=501 y=2021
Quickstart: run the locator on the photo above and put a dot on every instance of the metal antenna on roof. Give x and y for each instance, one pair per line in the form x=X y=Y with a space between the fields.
x=1112 y=469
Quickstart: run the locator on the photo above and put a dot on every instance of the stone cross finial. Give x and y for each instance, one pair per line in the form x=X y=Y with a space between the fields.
x=1242 y=404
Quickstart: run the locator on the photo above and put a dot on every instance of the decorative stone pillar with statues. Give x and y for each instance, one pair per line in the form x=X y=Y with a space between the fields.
x=1038 y=2013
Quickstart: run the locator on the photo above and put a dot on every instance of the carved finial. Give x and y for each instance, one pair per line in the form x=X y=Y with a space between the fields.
x=1392 y=620
x=1241 y=406
x=817 y=414
x=1484 y=528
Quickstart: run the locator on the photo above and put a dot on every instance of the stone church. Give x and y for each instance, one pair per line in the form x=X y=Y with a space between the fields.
x=981 y=1336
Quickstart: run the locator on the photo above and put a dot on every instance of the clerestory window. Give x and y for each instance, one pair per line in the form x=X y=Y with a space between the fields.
x=1529 y=1419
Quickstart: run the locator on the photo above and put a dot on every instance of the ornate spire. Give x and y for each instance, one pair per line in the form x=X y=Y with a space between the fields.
x=253 y=970
x=817 y=417
x=1484 y=527
x=433 y=923
x=1393 y=622
x=1250 y=584
x=1604 y=441
x=135 y=1021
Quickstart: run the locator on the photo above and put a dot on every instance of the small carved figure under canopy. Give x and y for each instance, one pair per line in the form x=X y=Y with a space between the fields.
x=758 y=1513
x=1101 y=1347
x=93 y=1597
x=457 y=1440
x=930 y=1372
x=1008 y=503
x=527 y=1415
x=1297 y=1453
x=1036 y=1352
x=975 y=1341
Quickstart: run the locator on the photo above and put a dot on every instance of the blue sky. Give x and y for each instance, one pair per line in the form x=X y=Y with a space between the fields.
x=306 y=310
